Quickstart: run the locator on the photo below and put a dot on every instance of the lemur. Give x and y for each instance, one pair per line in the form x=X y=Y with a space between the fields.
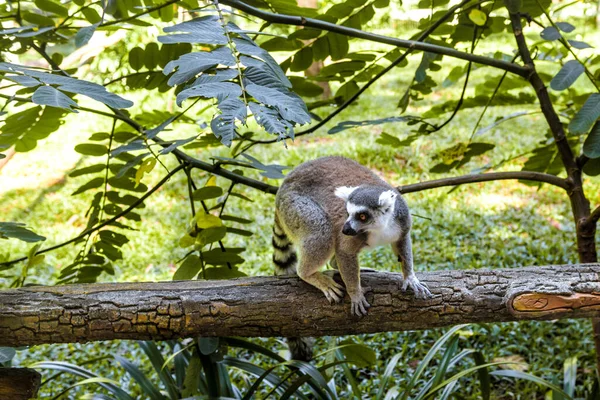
x=331 y=208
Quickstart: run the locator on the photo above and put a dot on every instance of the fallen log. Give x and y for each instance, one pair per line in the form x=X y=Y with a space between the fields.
x=286 y=306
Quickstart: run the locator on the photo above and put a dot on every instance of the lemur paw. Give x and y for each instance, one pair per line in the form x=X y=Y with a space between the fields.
x=359 y=306
x=334 y=292
x=421 y=290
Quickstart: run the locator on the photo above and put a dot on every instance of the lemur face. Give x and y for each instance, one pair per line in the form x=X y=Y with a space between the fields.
x=369 y=208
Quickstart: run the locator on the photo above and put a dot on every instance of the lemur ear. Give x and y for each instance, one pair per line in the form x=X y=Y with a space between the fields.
x=387 y=198
x=343 y=192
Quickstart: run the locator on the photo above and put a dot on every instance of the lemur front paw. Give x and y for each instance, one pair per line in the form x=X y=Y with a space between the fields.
x=333 y=291
x=421 y=290
x=359 y=306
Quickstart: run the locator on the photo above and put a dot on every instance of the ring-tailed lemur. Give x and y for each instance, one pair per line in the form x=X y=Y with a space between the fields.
x=331 y=208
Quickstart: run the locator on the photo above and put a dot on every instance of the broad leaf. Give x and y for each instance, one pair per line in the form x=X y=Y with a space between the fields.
x=7 y=354
x=579 y=45
x=24 y=129
x=49 y=96
x=208 y=90
x=190 y=65
x=565 y=27
x=205 y=30
x=84 y=35
x=587 y=116
x=567 y=75
x=207 y=193
x=289 y=105
x=591 y=146
x=550 y=33
x=18 y=231
x=188 y=269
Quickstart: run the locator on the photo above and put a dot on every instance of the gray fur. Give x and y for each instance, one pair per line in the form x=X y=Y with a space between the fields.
x=315 y=203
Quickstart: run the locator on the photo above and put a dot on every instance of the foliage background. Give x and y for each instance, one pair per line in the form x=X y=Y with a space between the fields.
x=499 y=224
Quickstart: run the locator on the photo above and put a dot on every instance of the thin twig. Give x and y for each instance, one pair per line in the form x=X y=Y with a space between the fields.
x=487 y=177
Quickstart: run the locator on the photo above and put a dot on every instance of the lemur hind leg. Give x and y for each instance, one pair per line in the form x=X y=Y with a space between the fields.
x=403 y=249
x=311 y=229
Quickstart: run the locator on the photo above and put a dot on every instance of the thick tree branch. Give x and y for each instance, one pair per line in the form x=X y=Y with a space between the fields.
x=287 y=306
x=357 y=33
x=586 y=245
x=491 y=176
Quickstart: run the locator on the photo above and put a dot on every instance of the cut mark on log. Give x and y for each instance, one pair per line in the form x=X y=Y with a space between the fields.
x=549 y=303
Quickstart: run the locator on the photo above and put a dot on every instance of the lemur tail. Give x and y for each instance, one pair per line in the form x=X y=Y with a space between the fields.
x=285 y=260
x=284 y=255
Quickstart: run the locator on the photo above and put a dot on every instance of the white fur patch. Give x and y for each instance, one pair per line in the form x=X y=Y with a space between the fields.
x=387 y=198
x=385 y=230
x=343 y=192
x=354 y=209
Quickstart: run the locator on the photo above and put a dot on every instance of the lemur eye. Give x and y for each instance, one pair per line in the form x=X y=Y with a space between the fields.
x=363 y=217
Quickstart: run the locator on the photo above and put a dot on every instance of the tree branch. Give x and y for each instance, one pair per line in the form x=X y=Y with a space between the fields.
x=357 y=33
x=424 y=35
x=492 y=176
x=287 y=306
x=586 y=245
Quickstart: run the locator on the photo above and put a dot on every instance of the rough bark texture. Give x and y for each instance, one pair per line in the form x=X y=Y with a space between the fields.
x=286 y=306
x=19 y=383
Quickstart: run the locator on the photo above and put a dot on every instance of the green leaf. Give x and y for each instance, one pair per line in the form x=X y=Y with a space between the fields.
x=49 y=96
x=565 y=26
x=18 y=231
x=302 y=60
x=358 y=354
x=219 y=257
x=7 y=354
x=567 y=75
x=550 y=33
x=592 y=167
x=338 y=45
x=586 y=117
x=204 y=30
x=531 y=378
x=210 y=235
x=25 y=128
x=151 y=55
x=71 y=85
x=151 y=391
x=236 y=219
x=579 y=45
x=591 y=146
x=570 y=375
x=208 y=345
x=271 y=120
x=478 y=17
x=205 y=220
x=52 y=7
x=93 y=184
x=241 y=232
x=136 y=58
x=191 y=64
x=208 y=90
x=304 y=87
x=290 y=106
x=188 y=269
x=90 y=149
x=83 y=35
x=91 y=15
x=207 y=192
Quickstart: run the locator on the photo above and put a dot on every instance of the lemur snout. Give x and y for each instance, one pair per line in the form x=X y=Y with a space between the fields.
x=348 y=230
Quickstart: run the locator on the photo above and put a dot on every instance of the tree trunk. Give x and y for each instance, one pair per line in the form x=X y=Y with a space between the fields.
x=286 y=306
x=19 y=383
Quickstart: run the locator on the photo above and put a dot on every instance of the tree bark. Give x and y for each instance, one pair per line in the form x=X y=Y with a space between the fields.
x=286 y=306
x=19 y=383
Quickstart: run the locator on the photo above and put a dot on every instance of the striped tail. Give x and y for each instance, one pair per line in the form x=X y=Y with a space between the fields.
x=284 y=255
x=285 y=260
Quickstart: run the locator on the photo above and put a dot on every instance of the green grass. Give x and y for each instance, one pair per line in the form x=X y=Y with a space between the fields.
x=488 y=225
